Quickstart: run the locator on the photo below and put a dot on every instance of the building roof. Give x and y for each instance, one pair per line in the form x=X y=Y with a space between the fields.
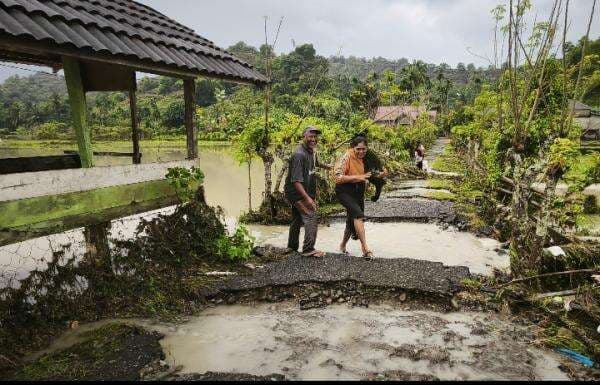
x=393 y=113
x=578 y=105
x=137 y=35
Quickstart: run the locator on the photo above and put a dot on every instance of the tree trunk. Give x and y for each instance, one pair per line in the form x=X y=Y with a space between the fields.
x=280 y=176
x=249 y=187
x=267 y=159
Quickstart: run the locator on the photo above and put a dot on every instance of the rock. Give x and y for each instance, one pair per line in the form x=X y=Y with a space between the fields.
x=250 y=265
x=479 y=331
x=564 y=333
x=402 y=297
x=313 y=294
x=329 y=301
x=454 y=303
x=486 y=231
x=555 y=251
x=231 y=300
x=341 y=299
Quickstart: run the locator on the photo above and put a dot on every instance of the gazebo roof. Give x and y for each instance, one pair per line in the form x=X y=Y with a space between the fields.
x=113 y=31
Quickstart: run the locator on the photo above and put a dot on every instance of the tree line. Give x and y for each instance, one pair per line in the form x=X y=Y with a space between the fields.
x=37 y=107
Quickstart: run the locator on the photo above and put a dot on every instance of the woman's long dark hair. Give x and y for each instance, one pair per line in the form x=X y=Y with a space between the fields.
x=358 y=140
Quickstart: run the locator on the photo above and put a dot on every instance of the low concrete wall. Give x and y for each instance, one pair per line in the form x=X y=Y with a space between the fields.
x=36 y=184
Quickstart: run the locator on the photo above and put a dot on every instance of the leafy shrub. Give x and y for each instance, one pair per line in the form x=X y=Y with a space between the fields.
x=185 y=181
x=237 y=247
x=52 y=130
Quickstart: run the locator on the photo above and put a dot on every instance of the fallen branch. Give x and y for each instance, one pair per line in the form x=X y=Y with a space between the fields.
x=220 y=273
x=8 y=360
x=554 y=294
x=550 y=274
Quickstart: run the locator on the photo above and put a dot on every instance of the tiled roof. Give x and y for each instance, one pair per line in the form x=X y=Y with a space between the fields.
x=121 y=28
x=393 y=113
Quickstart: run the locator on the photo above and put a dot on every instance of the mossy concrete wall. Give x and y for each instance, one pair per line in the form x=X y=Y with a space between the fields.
x=56 y=201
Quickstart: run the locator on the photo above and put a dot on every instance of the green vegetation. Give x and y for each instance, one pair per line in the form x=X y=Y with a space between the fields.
x=449 y=161
x=185 y=181
x=471 y=284
x=441 y=196
x=584 y=171
x=117 y=145
x=440 y=184
x=588 y=224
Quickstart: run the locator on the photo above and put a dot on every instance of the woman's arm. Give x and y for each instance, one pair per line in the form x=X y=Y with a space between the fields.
x=340 y=172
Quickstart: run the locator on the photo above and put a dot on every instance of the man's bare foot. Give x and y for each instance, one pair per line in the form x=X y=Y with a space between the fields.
x=314 y=254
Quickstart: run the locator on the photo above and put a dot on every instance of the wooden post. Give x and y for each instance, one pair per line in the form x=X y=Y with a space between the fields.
x=189 y=90
x=135 y=132
x=78 y=110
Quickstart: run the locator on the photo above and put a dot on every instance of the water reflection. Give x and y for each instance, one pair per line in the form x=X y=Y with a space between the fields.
x=226 y=185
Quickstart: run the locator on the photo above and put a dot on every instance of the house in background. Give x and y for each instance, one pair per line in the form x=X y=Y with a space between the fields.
x=393 y=116
x=587 y=119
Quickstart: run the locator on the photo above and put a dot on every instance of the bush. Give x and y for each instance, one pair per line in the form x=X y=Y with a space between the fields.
x=52 y=130
x=237 y=247
x=185 y=181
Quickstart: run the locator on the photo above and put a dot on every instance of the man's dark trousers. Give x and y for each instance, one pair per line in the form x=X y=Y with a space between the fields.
x=310 y=222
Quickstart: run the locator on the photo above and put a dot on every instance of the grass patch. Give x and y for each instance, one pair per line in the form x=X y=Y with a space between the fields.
x=470 y=283
x=448 y=161
x=588 y=224
x=440 y=184
x=112 y=352
x=578 y=173
x=441 y=196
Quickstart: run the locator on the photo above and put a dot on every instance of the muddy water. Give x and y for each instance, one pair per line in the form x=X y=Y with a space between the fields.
x=340 y=342
x=411 y=240
x=226 y=185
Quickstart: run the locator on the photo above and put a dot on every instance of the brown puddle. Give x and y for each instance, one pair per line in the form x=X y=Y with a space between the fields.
x=342 y=342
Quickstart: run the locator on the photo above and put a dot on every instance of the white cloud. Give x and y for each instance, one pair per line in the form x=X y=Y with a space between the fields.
x=435 y=31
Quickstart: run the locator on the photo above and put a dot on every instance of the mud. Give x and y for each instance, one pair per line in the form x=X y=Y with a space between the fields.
x=341 y=342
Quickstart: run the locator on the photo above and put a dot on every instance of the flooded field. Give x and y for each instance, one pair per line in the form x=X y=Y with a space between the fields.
x=221 y=172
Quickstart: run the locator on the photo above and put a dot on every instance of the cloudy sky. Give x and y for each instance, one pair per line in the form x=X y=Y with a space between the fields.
x=435 y=31
x=432 y=30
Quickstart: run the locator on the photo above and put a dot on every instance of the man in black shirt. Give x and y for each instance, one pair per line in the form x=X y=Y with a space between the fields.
x=301 y=192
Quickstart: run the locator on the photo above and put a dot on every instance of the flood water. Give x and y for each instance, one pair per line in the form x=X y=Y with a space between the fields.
x=340 y=342
x=226 y=185
x=405 y=239
x=343 y=342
